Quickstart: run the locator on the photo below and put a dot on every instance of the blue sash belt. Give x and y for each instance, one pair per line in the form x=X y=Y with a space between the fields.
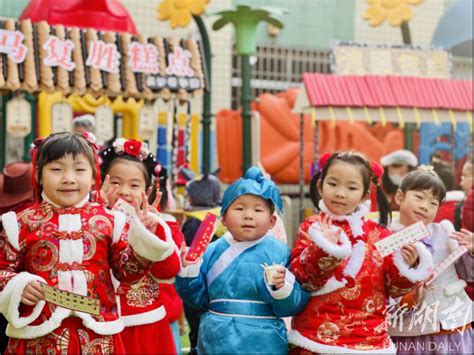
x=239 y=308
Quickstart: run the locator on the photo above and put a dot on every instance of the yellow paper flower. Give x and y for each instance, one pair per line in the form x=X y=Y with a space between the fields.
x=395 y=11
x=179 y=12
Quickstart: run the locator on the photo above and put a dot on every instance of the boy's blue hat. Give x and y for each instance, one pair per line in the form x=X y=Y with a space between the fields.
x=253 y=183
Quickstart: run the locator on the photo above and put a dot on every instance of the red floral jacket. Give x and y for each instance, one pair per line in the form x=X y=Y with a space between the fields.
x=73 y=249
x=350 y=284
x=143 y=302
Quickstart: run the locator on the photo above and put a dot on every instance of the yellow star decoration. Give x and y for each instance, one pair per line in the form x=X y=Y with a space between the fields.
x=179 y=12
x=395 y=11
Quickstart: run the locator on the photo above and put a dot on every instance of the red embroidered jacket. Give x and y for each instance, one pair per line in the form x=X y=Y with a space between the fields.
x=73 y=249
x=142 y=302
x=350 y=284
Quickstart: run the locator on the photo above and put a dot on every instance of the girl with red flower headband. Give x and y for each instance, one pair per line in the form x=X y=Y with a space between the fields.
x=334 y=257
x=72 y=244
x=128 y=168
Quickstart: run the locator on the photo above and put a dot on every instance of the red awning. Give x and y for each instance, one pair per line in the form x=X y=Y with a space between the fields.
x=102 y=15
x=326 y=90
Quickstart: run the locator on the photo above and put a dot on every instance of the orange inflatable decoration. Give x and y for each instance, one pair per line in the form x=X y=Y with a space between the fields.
x=280 y=139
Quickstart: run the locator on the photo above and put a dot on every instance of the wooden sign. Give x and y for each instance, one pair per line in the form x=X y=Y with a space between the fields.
x=18 y=117
x=61 y=117
x=147 y=122
x=104 y=124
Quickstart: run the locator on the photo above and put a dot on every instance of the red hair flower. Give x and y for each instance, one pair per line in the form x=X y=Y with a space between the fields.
x=132 y=147
x=377 y=169
x=323 y=160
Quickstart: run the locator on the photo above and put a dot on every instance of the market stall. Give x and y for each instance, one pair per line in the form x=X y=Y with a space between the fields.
x=137 y=87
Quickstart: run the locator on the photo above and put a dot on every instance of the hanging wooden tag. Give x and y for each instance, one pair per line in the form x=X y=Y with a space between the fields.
x=104 y=126
x=18 y=117
x=61 y=117
x=146 y=122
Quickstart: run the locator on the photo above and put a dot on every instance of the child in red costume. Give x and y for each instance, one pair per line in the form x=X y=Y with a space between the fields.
x=72 y=244
x=334 y=257
x=128 y=168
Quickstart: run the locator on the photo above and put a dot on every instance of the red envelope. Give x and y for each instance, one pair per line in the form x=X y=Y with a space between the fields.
x=202 y=237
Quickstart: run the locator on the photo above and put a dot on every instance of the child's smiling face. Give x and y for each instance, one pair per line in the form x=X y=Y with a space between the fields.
x=68 y=180
x=417 y=206
x=248 y=218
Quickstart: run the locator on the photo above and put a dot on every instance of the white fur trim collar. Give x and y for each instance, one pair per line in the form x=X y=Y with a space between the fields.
x=354 y=219
x=455 y=195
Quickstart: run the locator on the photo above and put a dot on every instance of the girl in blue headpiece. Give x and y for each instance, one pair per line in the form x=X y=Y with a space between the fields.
x=244 y=304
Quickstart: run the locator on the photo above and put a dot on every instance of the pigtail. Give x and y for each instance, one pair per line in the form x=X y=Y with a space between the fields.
x=383 y=205
x=35 y=146
x=313 y=190
x=385 y=211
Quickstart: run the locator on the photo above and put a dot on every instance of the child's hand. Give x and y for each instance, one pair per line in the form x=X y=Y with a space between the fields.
x=153 y=208
x=32 y=294
x=183 y=252
x=464 y=238
x=327 y=231
x=410 y=254
x=419 y=293
x=107 y=192
x=144 y=214
x=278 y=280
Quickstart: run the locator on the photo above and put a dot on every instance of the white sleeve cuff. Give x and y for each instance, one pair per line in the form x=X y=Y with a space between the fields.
x=10 y=300
x=338 y=251
x=422 y=271
x=286 y=290
x=148 y=245
x=191 y=270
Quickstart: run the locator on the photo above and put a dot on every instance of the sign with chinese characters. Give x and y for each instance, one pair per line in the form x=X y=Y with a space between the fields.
x=408 y=235
x=104 y=129
x=129 y=65
x=61 y=117
x=11 y=44
x=18 y=117
x=103 y=56
x=59 y=53
x=143 y=58
x=359 y=59
x=178 y=62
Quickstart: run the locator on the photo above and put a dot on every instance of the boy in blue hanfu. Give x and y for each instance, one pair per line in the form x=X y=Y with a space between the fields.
x=244 y=304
